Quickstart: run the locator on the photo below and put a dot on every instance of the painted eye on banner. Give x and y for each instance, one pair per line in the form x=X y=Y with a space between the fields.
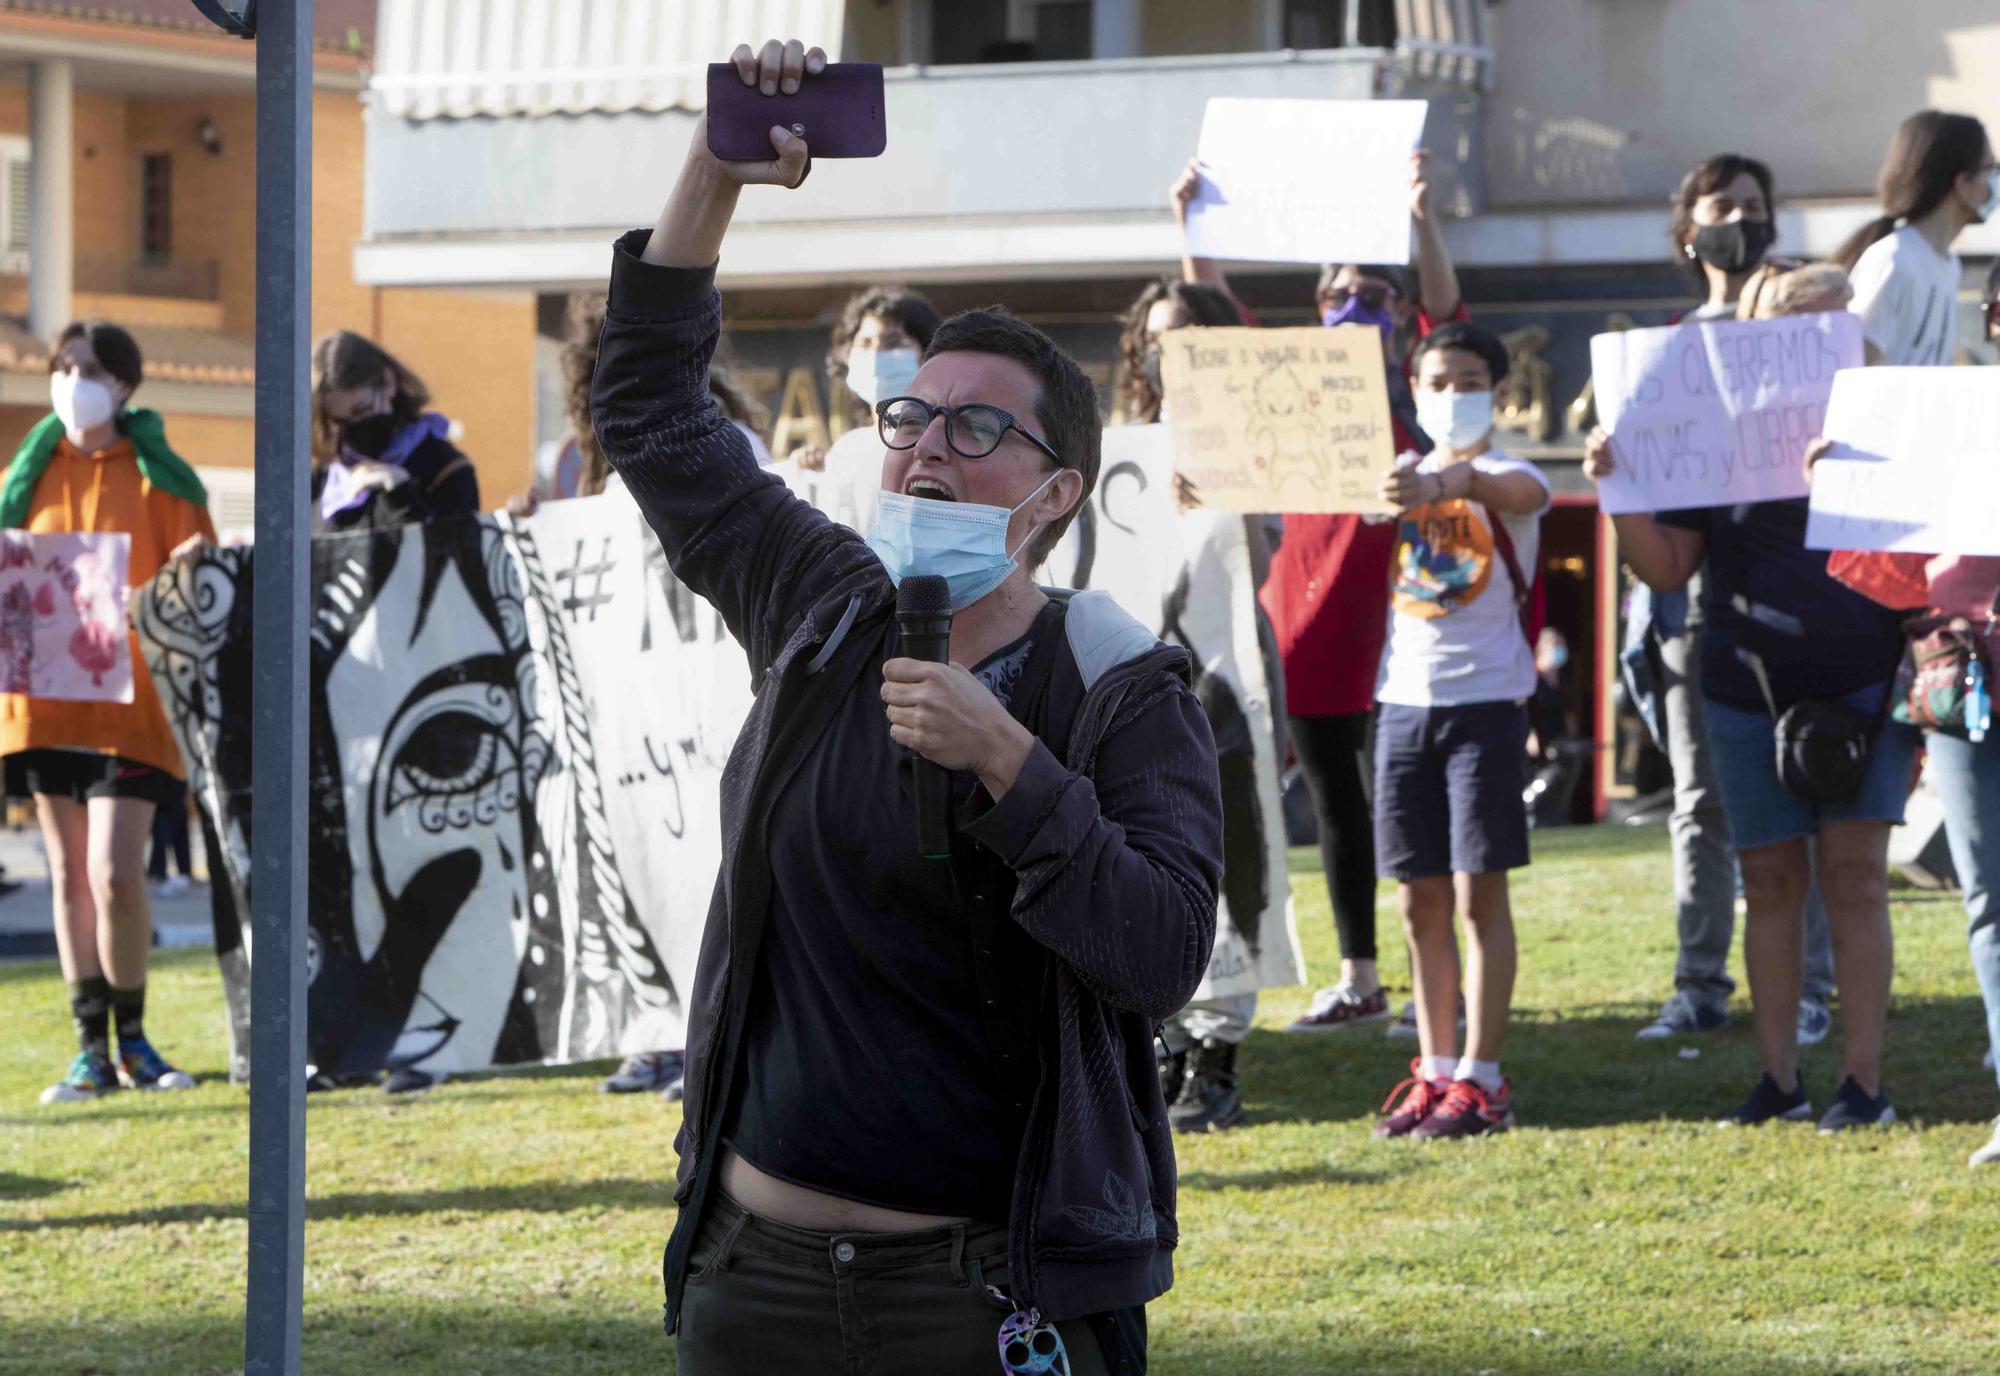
x=454 y=761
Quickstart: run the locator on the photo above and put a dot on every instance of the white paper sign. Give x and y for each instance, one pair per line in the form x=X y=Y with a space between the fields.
x=1915 y=466
x=63 y=630
x=1305 y=181
x=1717 y=412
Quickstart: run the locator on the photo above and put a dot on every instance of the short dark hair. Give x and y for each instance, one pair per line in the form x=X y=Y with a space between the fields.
x=1065 y=400
x=1329 y=271
x=115 y=349
x=1472 y=339
x=1705 y=178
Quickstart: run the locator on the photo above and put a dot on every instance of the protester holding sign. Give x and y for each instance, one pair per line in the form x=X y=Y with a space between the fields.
x=1724 y=226
x=380 y=459
x=1939 y=177
x=1324 y=598
x=1198 y=1044
x=1450 y=750
x=936 y=1074
x=97 y=770
x=1783 y=643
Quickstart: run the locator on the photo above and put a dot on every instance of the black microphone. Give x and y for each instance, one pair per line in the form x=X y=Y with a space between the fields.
x=923 y=615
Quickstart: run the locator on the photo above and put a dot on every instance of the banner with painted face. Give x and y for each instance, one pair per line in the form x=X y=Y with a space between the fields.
x=517 y=738
x=518 y=729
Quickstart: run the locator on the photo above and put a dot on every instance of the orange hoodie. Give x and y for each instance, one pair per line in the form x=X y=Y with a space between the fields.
x=104 y=492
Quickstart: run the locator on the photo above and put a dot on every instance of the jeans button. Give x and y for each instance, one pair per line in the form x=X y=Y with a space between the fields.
x=844 y=1252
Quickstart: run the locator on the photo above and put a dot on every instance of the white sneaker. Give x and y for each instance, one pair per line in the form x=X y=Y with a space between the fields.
x=173 y=886
x=1988 y=1155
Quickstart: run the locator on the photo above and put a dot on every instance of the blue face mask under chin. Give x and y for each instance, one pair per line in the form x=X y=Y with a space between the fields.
x=963 y=543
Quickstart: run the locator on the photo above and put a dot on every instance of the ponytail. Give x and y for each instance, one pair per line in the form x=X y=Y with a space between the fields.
x=1854 y=245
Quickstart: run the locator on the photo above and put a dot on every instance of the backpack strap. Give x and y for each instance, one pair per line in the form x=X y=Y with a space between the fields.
x=1524 y=593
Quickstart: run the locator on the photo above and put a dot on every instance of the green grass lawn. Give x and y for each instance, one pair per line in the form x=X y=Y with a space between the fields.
x=513 y=1224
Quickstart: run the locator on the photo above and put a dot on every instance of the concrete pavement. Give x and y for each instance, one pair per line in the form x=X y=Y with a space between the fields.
x=27 y=915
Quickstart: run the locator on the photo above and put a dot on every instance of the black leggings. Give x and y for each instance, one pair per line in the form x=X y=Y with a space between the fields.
x=1333 y=755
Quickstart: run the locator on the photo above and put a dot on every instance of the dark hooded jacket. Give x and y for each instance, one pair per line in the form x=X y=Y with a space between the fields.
x=1112 y=850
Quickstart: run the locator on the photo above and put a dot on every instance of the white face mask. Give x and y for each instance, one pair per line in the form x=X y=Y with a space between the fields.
x=874 y=374
x=81 y=403
x=1986 y=207
x=1456 y=420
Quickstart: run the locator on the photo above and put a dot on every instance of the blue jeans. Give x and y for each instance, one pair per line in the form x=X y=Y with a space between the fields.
x=1968 y=781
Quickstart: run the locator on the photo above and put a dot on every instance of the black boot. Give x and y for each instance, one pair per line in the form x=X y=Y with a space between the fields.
x=1209 y=1100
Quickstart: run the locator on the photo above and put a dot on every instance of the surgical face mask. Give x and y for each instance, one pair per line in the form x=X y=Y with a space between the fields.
x=963 y=543
x=874 y=375
x=1456 y=420
x=1353 y=311
x=81 y=403
x=1986 y=207
x=1735 y=247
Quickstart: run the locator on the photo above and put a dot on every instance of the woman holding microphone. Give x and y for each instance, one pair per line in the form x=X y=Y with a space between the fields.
x=922 y=1119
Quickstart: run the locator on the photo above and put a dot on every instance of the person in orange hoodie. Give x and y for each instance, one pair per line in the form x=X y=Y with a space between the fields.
x=97 y=770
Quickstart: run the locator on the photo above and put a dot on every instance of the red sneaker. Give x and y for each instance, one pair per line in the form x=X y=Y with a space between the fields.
x=1468 y=1111
x=1419 y=1103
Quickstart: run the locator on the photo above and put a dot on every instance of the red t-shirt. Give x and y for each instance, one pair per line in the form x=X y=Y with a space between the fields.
x=1328 y=600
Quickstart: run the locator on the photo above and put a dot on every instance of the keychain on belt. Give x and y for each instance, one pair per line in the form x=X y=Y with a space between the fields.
x=1978 y=702
x=1029 y=1344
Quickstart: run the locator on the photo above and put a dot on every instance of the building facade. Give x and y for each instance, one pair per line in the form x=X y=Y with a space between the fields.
x=127 y=174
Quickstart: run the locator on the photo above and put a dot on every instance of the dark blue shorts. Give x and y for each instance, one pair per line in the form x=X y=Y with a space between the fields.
x=1448 y=783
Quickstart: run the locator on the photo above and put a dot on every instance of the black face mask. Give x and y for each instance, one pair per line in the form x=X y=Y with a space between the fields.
x=1735 y=247
x=1149 y=368
x=368 y=436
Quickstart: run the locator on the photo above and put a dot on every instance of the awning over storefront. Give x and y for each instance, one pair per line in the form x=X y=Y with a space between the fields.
x=462 y=58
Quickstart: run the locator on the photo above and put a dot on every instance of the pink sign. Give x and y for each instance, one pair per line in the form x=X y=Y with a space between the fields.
x=63 y=627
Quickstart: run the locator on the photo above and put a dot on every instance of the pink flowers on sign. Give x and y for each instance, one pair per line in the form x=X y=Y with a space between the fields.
x=63 y=626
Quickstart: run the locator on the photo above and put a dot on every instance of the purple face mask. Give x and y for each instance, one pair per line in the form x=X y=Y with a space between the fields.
x=1353 y=312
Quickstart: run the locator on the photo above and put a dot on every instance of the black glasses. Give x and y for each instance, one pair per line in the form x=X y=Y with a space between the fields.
x=973 y=431
x=1372 y=297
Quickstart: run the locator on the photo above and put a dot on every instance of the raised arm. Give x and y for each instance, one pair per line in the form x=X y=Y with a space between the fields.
x=1436 y=277
x=1664 y=557
x=732 y=530
x=1205 y=272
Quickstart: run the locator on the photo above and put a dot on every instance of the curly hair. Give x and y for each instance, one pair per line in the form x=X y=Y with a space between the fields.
x=584 y=322
x=1203 y=306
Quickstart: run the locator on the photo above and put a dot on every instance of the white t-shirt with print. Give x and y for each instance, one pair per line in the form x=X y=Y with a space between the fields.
x=1906 y=294
x=1455 y=633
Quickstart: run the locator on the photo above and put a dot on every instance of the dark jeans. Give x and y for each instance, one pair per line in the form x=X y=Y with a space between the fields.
x=1333 y=755
x=763 y=1298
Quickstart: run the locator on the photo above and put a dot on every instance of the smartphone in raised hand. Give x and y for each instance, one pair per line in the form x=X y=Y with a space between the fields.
x=839 y=113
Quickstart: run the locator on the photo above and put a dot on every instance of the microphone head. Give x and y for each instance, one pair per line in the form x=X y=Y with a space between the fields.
x=925 y=594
